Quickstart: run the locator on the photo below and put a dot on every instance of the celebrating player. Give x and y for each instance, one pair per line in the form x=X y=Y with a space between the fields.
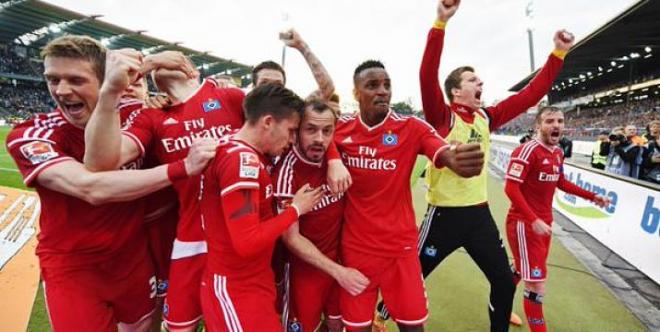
x=379 y=237
x=197 y=111
x=238 y=292
x=535 y=170
x=315 y=274
x=87 y=240
x=458 y=213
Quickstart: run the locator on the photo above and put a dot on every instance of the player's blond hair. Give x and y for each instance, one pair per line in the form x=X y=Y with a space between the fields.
x=78 y=47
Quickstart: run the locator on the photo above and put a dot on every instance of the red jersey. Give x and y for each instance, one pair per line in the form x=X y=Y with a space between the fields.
x=163 y=201
x=538 y=169
x=72 y=232
x=169 y=133
x=379 y=217
x=237 y=206
x=322 y=225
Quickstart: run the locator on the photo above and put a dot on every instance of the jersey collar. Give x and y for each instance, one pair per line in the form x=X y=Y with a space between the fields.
x=301 y=156
x=376 y=126
x=550 y=148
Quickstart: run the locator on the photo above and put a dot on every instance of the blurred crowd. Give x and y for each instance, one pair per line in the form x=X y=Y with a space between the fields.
x=20 y=97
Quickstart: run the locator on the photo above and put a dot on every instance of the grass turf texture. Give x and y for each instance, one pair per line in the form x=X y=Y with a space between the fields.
x=457 y=290
x=9 y=175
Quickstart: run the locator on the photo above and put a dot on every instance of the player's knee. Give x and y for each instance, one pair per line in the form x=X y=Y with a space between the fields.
x=533 y=296
x=536 y=287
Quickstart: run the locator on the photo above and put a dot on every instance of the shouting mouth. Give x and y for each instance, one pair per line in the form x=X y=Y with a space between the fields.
x=74 y=109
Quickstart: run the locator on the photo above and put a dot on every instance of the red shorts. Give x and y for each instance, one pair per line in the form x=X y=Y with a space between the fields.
x=312 y=292
x=98 y=297
x=530 y=250
x=182 y=305
x=239 y=305
x=161 y=233
x=401 y=285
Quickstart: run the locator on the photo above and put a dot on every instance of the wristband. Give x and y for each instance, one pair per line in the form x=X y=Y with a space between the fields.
x=177 y=171
x=560 y=54
x=439 y=24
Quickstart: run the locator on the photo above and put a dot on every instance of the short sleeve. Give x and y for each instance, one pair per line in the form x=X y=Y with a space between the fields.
x=32 y=154
x=238 y=170
x=430 y=143
x=139 y=127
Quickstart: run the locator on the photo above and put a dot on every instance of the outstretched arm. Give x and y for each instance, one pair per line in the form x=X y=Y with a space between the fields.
x=538 y=87
x=436 y=110
x=293 y=39
x=71 y=178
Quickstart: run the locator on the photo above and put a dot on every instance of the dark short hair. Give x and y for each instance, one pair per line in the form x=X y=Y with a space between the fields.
x=366 y=65
x=453 y=81
x=267 y=65
x=543 y=110
x=271 y=99
x=319 y=106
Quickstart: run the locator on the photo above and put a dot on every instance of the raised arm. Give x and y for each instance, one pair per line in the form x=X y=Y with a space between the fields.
x=105 y=146
x=326 y=87
x=538 y=87
x=436 y=110
x=103 y=139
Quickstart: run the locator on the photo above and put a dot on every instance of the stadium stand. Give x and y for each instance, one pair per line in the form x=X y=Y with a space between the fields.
x=26 y=26
x=610 y=78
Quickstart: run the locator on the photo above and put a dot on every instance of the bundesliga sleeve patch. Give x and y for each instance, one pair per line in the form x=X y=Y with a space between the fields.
x=38 y=152
x=249 y=168
x=516 y=169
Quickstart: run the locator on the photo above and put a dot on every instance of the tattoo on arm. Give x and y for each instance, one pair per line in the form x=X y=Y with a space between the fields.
x=321 y=75
x=248 y=207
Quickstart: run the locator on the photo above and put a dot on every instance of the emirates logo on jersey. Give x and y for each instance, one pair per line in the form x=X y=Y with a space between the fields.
x=546 y=177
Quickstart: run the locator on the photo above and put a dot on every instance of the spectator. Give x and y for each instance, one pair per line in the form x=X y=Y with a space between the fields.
x=623 y=156
x=567 y=146
x=599 y=161
x=631 y=134
x=651 y=155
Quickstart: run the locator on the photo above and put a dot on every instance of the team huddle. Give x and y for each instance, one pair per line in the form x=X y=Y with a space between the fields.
x=270 y=212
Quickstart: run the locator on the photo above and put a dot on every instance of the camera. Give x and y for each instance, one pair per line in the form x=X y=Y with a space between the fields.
x=617 y=137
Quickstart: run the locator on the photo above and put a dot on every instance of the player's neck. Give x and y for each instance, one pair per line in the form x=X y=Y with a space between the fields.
x=251 y=137
x=372 y=118
x=179 y=91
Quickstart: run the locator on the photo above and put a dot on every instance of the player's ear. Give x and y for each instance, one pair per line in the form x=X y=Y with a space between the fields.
x=267 y=121
x=455 y=92
x=356 y=94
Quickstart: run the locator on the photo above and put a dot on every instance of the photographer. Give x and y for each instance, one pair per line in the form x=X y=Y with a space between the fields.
x=651 y=155
x=567 y=146
x=623 y=156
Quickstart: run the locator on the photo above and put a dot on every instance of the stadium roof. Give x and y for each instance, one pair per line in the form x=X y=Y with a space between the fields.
x=628 y=46
x=33 y=23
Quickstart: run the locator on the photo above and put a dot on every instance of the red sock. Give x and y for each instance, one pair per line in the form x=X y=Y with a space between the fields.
x=533 y=304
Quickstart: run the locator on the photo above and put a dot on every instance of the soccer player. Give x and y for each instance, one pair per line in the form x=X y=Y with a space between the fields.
x=315 y=273
x=458 y=214
x=92 y=249
x=379 y=236
x=161 y=215
x=238 y=291
x=199 y=110
x=535 y=170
